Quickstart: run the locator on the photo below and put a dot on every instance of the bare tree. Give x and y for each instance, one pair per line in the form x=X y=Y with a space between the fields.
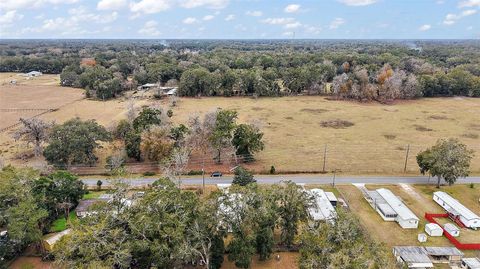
x=131 y=110
x=34 y=131
x=176 y=165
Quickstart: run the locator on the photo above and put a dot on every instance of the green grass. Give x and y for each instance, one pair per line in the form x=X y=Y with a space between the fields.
x=93 y=194
x=60 y=224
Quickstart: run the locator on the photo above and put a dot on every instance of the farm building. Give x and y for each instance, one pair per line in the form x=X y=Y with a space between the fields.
x=452 y=229
x=50 y=239
x=433 y=229
x=391 y=208
x=471 y=263
x=323 y=209
x=450 y=255
x=148 y=86
x=456 y=210
x=412 y=257
x=33 y=74
x=425 y=257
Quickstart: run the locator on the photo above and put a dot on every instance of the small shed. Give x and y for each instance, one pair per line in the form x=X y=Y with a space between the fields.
x=452 y=229
x=50 y=240
x=422 y=238
x=470 y=263
x=433 y=229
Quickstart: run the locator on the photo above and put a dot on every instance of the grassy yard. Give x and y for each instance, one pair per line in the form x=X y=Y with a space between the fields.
x=60 y=224
x=93 y=194
x=288 y=260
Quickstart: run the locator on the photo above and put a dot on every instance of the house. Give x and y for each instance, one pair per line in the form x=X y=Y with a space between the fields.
x=83 y=208
x=148 y=86
x=412 y=257
x=33 y=74
x=323 y=209
x=450 y=255
x=171 y=92
x=50 y=240
x=457 y=211
x=470 y=263
x=391 y=208
x=451 y=229
x=433 y=229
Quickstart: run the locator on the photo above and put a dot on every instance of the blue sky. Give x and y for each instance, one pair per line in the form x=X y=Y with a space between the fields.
x=323 y=19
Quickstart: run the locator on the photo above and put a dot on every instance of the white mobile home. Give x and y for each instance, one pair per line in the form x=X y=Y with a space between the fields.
x=391 y=208
x=457 y=210
x=323 y=209
x=471 y=263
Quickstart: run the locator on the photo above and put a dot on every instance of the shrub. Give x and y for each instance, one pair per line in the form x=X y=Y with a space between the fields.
x=272 y=170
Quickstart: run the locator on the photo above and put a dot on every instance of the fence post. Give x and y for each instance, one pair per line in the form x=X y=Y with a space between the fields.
x=324 y=157
x=406 y=159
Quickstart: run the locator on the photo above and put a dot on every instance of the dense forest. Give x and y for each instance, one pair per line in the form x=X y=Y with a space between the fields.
x=364 y=70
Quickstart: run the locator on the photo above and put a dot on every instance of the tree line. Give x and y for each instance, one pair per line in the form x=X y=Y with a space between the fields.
x=145 y=135
x=361 y=70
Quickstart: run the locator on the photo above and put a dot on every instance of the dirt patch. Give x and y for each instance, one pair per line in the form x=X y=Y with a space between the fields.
x=289 y=118
x=471 y=135
x=438 y=117
x=475 y=126
x=337 y=124
x=390 y=136
x=256 y=108
x=314 y=110
x=422 y=128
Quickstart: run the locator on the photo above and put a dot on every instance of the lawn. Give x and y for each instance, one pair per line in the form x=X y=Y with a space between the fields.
x=93 y=194
x=60 y=224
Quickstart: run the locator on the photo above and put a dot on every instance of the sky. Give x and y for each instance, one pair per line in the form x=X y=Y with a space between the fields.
x=240 y=19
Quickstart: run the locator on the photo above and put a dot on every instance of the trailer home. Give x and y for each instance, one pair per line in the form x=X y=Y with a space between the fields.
x=456 y=210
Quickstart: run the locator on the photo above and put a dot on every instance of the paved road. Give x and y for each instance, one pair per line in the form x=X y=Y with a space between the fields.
x=309 y=179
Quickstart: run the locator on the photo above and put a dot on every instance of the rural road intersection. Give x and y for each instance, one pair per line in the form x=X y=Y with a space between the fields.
x=307 y=179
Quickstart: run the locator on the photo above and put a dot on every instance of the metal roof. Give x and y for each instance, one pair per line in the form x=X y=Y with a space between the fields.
x=411 y=254
x=473 y=263
x=456 y=205
x=450 y=227
x=443 y=251
x=324 y=209
x=397 y=205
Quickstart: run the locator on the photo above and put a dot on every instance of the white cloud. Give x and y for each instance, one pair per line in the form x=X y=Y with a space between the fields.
x=337 y=22
x=230 y=17
x=292 y=25
x=278 y=21
x=215 y=4
x=357 y=2
x=21 y=4
x=149 y=29
x=81 y=14
x=469 y=3
x=111 y=4
x=313 y=29
x=425 y=27
x=255 y=13
x=452 y=18
x=208 y=17
x=150 y=6
x=292 y=8
x=10 y=17
x=189 y=20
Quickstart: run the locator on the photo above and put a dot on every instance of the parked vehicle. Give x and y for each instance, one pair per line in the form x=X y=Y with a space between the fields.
x=216 y=174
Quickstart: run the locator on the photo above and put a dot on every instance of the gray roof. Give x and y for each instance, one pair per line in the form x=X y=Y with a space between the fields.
x=456 y=205
x=324 y=209
x=443 y=251
x=473 y=263
x=397 y=205
x=412 y=254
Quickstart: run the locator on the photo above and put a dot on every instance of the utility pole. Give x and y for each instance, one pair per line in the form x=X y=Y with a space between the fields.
x=334 y=174
x=324 y=158
x=406 y=159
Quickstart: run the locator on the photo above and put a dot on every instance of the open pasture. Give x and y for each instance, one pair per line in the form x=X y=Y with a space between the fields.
x=358 y=137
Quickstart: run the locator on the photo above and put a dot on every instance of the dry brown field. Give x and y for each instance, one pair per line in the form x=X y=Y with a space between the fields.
x=376 y=143
x=359 y=138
